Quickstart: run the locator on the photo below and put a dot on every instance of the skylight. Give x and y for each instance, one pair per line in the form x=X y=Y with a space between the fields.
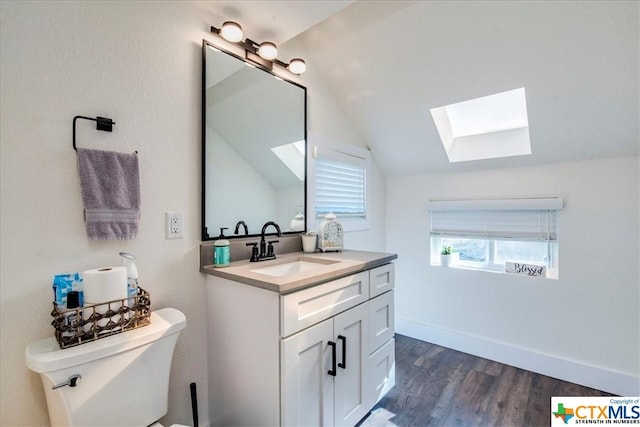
x=292 y=155
x=484 y=128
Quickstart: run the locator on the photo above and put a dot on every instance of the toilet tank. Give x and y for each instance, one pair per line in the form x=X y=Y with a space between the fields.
x=124 y=377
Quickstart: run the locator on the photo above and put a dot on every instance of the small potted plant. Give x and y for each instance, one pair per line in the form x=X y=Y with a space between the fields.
x=446 y=255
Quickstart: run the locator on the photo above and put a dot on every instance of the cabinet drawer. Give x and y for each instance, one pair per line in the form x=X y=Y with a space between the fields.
x=381 y=279
x=381 y=312
x=382 y=371
x=312 y=305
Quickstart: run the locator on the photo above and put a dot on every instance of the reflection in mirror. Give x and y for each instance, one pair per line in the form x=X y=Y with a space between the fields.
x=254 y=145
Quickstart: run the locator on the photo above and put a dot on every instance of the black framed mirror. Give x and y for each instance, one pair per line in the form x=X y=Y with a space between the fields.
x=254 y=133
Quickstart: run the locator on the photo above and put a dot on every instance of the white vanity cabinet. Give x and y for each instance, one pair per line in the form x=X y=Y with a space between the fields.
x=325 y=368
x=320 y=356
x=325 y=372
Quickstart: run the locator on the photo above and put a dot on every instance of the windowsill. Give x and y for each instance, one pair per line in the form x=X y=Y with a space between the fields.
x=551 y=273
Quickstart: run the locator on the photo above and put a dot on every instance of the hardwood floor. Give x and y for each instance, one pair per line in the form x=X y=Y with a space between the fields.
x=437 y=386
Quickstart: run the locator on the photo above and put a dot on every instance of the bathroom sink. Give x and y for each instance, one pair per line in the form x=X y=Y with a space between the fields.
x=292 y=267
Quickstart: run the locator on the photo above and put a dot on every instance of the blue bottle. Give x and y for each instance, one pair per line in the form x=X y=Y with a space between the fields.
x=221 y=250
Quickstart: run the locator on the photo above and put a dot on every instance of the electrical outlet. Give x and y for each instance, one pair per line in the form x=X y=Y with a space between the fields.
x=174 y=225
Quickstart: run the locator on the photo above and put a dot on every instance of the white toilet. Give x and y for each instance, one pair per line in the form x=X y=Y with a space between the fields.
x=123 y=380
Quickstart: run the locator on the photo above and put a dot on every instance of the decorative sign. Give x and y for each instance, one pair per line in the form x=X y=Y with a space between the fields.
x=525 y=269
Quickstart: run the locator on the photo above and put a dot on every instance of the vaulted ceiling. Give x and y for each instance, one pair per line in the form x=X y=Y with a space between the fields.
x=387 y=63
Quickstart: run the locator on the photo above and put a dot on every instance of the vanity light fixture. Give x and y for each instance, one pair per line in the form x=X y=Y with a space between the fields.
x=297 y=66
x=231 y=31
x=268 y=50
x=264 y=54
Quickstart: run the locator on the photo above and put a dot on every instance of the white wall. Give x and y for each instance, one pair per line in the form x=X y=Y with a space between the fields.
x=140 y=64
x=325 y=117
x=584 y=327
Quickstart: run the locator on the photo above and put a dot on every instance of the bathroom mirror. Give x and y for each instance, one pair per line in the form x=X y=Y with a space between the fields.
x=253 y=147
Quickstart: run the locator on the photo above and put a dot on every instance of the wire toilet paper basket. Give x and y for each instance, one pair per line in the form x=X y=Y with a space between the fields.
x=94 y=321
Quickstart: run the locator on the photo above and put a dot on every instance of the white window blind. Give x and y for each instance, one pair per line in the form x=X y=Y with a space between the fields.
x=340 y=188
x=339 y=181
x=519 y=222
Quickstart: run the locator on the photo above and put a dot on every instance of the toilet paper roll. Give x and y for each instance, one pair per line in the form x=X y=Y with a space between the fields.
x=104 y=284
x=98 y=310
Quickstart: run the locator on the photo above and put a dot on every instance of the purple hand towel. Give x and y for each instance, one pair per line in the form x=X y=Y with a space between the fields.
x=110 y=185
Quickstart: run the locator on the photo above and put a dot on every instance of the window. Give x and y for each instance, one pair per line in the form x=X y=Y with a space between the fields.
x=489 y=127
x=339 y=183
x=292 y=155
x=485 y=234
x=340 y=189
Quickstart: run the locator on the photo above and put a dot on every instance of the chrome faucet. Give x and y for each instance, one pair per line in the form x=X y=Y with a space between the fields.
x=266 y=252
x=243 y=224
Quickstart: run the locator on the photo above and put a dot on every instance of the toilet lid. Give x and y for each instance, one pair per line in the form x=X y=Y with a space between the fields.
x=46 y=355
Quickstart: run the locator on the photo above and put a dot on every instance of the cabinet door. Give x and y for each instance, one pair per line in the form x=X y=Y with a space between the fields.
x=381 y=279
x=307 y=388
x=352 y=382
x=382 y=320
x=383 y=371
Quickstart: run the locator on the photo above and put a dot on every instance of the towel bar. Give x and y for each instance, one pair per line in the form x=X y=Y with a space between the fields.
x=102 y=123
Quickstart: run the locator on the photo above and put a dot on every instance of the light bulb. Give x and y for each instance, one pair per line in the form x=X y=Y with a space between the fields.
x=231 y=31
x=268 y=50
x=297 y=66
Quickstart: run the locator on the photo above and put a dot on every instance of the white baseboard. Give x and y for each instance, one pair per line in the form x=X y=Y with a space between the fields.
x=546 y=364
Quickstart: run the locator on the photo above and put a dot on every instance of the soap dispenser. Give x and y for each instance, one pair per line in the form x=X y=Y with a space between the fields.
x=221 y=250
x=128 y=260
